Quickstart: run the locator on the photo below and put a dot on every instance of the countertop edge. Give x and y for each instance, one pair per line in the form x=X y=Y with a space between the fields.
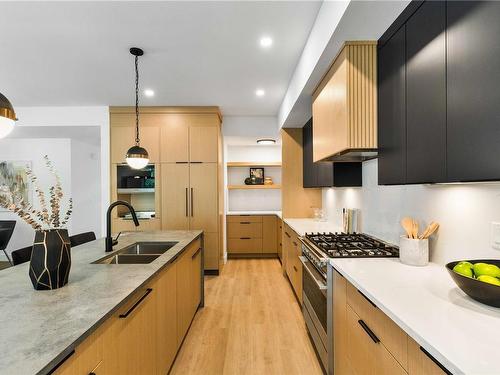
x=51 y=366
x=450 y=366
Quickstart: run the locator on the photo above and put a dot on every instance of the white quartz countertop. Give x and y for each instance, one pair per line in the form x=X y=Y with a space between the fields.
x=232 y=213
x=462 y=334
x=39 y=328
x=303 y=226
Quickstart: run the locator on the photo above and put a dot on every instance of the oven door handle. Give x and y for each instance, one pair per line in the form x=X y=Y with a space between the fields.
x=304 y=261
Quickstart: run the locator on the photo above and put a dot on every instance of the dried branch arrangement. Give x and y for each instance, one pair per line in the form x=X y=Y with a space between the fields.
x=39 y=219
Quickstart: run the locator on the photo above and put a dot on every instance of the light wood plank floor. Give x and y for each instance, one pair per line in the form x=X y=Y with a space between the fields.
x=251 y=324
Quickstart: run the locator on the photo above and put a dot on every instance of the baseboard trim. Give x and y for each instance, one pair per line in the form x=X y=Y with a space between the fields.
x=211 y=272
x=251 y=255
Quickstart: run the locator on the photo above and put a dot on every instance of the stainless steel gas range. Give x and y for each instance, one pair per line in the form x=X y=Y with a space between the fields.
x=317 y=285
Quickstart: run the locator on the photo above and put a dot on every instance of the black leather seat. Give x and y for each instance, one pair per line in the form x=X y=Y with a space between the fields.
x=21 y=255
x=6 y=230
x=81 y=238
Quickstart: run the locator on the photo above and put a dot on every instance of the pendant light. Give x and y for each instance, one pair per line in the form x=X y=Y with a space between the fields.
x=7 y=117
x=137 y=157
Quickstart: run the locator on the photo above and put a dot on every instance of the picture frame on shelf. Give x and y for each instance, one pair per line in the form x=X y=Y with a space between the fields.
x=257 y=175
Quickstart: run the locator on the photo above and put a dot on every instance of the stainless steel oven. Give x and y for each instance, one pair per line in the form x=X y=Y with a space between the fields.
x=314 y=306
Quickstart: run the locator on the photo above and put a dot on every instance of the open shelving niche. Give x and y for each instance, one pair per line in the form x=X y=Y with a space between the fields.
x=237 y=171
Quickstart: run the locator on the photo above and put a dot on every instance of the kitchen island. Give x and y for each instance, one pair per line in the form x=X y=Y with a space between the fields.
x=42 y=329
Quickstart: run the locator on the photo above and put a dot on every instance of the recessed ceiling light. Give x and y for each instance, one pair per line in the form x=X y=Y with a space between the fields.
x=266 y=141
x=266 y=42
x=149 y=92
x=260 y=92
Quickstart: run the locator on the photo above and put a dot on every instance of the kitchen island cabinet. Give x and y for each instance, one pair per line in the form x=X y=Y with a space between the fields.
x=110 y=318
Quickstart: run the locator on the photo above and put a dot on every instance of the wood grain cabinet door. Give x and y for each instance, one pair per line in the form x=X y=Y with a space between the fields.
x=174 y=139
x=203 y=193
x=166 y=312
x=203 y=143
x=175 y=196
x=420 y=362
x=269 y=236
x=183 y=295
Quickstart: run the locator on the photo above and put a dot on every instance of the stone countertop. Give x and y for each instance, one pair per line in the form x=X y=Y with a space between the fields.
x=39 y=328
x=303 y=226
x=232 y=213
x=460 y=333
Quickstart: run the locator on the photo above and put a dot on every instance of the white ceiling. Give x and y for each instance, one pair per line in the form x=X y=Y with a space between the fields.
x=196 y=53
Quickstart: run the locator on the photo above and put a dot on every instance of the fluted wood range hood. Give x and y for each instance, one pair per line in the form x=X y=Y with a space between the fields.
x=345 y=106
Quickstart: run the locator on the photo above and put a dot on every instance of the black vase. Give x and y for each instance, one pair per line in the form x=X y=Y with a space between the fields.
x=50 y=259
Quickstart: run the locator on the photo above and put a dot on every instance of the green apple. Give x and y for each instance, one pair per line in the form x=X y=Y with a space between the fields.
x=489 y=279
x=481 y=269
x=467 y=263
x=463 y=269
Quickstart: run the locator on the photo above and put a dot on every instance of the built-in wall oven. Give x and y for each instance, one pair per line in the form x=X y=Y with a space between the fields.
x=314 y=302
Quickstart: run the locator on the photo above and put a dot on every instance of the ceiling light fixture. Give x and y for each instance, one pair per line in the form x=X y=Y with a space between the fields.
x=266 y=42
x=149 y=93
x=260 y=92
x=7 y=117
x=266 y=141
x=137 y=157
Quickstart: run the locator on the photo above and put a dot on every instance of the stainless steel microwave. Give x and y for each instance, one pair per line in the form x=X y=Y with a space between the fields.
x=131 y=180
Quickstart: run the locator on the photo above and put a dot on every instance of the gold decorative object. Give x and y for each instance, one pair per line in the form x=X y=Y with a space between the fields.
x=268 y=181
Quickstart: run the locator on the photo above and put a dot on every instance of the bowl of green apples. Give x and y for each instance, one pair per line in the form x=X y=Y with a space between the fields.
x=479 y=279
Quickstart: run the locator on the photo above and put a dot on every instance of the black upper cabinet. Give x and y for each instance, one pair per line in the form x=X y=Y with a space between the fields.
x=473 y=54
x=391 y=111
x=426 y=94
x=325 y=173
x=439 y=95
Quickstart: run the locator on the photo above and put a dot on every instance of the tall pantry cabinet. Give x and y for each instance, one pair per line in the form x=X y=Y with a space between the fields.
x=188 y=162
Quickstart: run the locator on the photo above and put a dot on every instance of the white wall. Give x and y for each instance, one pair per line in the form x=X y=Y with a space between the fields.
x=464 y=211
x=59 y=152
x=64 y=117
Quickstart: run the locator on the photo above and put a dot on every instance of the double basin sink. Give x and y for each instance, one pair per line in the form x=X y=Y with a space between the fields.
x=138 y=253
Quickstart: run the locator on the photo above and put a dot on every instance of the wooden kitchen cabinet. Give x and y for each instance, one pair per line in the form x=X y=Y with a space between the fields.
x=344 y=104
x=426 y=94
x=421 y=363
x=123 y=137
x=341 y=365
x=166 y=313
x=279 y=238
x=130 y=341
x=188 y=288
x=175 y=196
x=185 y=143
x=269 y=229
x=293 y=267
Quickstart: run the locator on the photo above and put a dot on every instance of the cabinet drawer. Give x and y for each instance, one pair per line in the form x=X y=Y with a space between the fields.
x=389 y=333
x=365 y=354
x=420 y=363
x=244 y=229
x=238 y=218
x=244 y=245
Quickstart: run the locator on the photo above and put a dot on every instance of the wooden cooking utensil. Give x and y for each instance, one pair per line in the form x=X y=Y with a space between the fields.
x=415 y=229
x=431 y=228
x=407 y=224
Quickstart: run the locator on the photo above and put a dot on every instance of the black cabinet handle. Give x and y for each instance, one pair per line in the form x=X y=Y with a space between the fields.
x=369 y=331
x=196 y=253
x=435 y=361
x=196 y=162
x=244 y=222
x=287 y=235
x=62 y=361
x=365 y=297
x=294 y=243
x=92 y=373
x=187 y=211
x=295 y=268
x=181 y=162
x=245 y=238
x=123 y=316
